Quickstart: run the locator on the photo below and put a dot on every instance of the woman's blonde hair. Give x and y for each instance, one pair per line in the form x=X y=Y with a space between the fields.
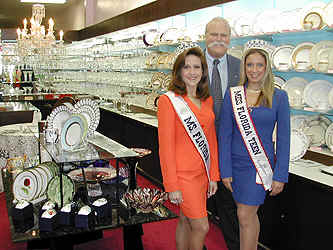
x=267 y=89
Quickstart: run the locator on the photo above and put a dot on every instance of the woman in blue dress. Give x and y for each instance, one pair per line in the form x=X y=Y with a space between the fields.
x=267 y=107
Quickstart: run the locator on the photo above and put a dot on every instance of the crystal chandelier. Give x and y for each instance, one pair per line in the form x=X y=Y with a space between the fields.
x=39 y=40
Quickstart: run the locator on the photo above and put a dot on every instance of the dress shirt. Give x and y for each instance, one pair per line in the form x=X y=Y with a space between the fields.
x=222 y=68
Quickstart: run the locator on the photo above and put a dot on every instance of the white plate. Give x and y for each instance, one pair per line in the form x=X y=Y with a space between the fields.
x=89 y=107
x=298 y=121
x=299 y=144
x=330 y=98
x=280 y=81
x=329 y=136
x=315 y=134
x=281 y=57
x=25 y=186
x=266 y=21
x=242 y=26
x=316 y=94
x=313 y=12
x=58 y=117
x=295 y=87
x=301 y=57
x=320 y=55
x=73 y=132
x=328 y=13
x=236 y=51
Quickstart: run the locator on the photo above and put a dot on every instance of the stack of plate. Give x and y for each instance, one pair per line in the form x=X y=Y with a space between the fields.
x=315 y=129
x=301 y=57
x=320 y=56
x=281 y=57
x=295 y=87
x=31 y=184
x=316 y=95
x=299 y=144
x=74 y=122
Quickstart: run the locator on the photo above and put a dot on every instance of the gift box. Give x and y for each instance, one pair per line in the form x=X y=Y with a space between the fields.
x=48 y=222
x=22 y=216
x=103 y=209
x=85 y=218
x=66 y=215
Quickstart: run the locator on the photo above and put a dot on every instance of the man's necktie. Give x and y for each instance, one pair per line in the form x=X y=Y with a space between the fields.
x=216 y=89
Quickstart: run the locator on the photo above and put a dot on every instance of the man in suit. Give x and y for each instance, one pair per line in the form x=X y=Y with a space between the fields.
x=224 y=71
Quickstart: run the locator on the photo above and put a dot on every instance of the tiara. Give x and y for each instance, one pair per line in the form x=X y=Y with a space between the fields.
x=184 y=46
x=259 y=44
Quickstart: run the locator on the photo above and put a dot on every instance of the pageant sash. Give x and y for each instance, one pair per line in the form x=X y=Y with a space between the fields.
x=192 y=126
x=250 y=137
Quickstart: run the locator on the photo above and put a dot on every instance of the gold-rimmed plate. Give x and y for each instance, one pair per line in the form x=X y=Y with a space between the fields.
x=320 y=55
x=281 y=57
x=301 y=57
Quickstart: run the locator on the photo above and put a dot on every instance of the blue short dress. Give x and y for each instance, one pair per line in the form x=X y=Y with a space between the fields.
x=234 y=160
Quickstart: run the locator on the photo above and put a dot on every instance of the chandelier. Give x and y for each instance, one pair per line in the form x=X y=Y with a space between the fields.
x=38 y=40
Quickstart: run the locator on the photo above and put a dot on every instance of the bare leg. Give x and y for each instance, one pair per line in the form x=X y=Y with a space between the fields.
x=199 y=229
x=249 y=226
x=183 y=232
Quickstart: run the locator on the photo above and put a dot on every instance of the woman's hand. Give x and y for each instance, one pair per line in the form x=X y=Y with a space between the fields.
x=176 y=197
x=227 y=183
x=212 y=188
x=277 y=188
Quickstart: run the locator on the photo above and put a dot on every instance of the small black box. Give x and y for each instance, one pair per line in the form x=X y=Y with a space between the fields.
x=85 y=221
x=103 y=213
x=48 y=224
x=23 y=218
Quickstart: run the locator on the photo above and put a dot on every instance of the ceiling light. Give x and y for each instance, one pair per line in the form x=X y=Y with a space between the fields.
x=43 y=1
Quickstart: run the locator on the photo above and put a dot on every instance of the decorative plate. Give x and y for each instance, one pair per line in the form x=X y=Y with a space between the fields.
x=298 y=122
x=295 y=87
x=320 y=55
x=166 y=81
x=313 y=13
x=40 y=182
x=25 y=186
x=157 y=80
x=58 y=117
x=299 y=144
x=242 y=26
x=301 y=57
x=73 y=133
x=315 y=134
x=280 y=81
x=53 y=190
x=281 y=57
x=328 y=14
x=266 y=21
x=329 y=136
x=315 y=94
x=236 y=51
x=151 y=38
x=89 y=108
x=330 y=98
x=93 y=174
x=170 y=36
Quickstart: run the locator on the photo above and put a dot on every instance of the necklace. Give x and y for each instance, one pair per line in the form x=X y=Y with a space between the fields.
x=255 y=91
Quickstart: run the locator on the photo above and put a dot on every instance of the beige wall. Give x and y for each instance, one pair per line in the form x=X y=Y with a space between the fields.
x=101 y=10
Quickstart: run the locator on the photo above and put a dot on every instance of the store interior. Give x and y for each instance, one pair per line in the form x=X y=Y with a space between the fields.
x=110 y=62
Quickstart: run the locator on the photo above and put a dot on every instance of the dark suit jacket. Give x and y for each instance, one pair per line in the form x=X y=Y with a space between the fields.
x=233 y=65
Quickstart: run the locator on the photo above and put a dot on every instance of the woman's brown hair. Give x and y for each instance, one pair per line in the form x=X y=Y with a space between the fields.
x=178 y=86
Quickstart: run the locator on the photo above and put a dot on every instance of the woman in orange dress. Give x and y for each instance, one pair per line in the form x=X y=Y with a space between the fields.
x=184 y=172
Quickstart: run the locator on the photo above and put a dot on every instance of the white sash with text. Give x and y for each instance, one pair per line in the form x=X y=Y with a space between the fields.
x=193 y=128
x=251 y=139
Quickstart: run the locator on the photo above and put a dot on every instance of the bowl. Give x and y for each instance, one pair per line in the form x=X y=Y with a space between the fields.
x=145 y=200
